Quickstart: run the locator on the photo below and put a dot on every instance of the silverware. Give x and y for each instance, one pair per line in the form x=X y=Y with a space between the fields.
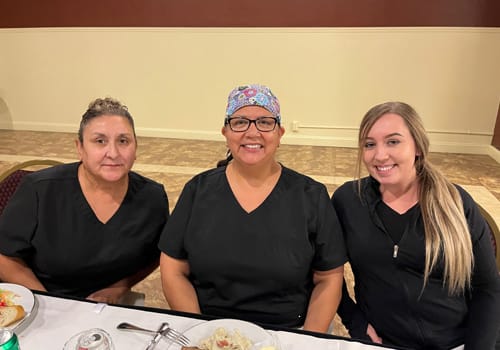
x=130 y=327
x=164 y=330
x=175 y=336
x=152 y=344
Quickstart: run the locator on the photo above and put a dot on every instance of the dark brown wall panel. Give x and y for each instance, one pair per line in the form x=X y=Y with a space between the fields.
x=256 y=13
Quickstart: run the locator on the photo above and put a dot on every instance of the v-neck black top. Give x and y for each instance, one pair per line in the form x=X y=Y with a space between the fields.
x=49 y=223
x=256 y=266
x=390 y=294
x=394 y=223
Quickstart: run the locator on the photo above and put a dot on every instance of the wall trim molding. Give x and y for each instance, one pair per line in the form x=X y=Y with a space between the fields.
x=256 y=30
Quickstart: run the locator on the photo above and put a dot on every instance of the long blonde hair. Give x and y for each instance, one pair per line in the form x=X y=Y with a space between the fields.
x=446 y=229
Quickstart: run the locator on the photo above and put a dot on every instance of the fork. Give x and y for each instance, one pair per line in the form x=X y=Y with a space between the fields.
x=175 y=336
x=169 y=333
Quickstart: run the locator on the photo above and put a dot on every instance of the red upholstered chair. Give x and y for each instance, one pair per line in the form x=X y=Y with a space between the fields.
x=10 y=179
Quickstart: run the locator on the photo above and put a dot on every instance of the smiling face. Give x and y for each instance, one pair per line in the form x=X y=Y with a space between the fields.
x=389 y=152
x=108 y=150
x=253 y=147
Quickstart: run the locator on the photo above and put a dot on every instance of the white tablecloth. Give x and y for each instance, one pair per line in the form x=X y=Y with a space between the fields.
x=58 y=319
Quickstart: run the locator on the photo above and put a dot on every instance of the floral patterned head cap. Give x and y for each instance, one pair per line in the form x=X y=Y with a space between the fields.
x=253 y=95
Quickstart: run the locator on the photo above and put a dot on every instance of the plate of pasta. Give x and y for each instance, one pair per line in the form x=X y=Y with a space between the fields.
x=228 y=334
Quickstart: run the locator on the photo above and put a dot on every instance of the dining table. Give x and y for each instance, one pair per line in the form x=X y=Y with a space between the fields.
x=56 y=318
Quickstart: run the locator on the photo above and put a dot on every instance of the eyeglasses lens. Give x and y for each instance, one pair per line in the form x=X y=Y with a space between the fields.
x=264 y=124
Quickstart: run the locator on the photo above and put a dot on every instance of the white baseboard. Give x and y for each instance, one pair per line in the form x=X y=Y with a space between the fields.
x=494 y=153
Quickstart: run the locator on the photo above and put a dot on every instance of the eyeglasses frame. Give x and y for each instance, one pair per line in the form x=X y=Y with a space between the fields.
x=227 y=121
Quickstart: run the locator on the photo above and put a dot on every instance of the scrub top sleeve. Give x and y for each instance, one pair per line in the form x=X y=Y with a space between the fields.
x=164 y=203
x=484 y=307
x=164 y=200
x=338 y=198
x=352 y=316
x=329 y=244
x=484 y=315
x=172 y=238
x=19 y=220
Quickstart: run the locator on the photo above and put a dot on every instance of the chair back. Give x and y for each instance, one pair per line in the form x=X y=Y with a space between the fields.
x=494 y=231
x=11 y=178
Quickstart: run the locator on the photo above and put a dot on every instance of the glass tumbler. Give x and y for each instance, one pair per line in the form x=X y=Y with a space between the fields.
x=91 y=339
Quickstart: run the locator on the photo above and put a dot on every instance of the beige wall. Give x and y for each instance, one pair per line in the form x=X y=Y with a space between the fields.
x=175 y=80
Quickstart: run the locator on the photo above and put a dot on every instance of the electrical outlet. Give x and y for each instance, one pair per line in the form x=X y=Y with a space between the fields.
x=295 y=126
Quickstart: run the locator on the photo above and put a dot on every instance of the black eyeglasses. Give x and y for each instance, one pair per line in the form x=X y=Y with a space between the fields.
x=240 y=124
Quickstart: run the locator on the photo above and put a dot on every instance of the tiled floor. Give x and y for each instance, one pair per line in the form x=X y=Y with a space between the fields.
x=173 y=162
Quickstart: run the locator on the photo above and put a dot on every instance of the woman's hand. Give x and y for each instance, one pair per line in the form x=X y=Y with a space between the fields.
x=110 y=295
x=370 y=331
x=114 y=293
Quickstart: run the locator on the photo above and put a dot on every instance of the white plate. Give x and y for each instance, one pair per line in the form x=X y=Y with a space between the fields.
x=23 y=297
x=259 y=337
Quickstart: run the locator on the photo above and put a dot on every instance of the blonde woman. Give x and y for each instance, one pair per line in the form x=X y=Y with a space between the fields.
x=425 y=272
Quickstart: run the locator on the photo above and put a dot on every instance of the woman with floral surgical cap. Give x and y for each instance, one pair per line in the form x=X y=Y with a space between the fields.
x=253 y=239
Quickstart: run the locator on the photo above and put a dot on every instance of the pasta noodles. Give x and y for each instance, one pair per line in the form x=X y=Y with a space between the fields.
x=224 y=340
